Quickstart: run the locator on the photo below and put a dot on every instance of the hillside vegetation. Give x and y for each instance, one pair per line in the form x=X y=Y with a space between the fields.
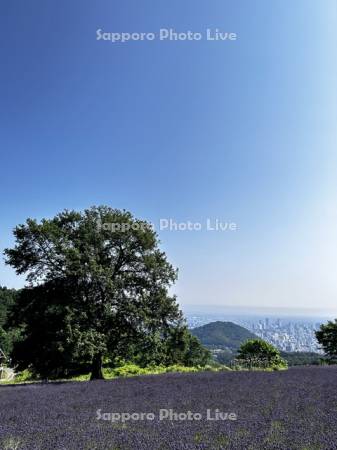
x=225 y=338
x=224 y=335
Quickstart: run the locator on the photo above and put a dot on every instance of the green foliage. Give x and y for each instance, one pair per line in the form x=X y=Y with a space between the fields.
x=165 y=347
x=222 y=335
x=125 y=370
x=49 y=343
x=24 y=376
x=184 y=348
x=8 y=334
x=223 y=356
x=7 y=300
x=223 y=339
x=131 y=370
x=327 y=337
x=81 y=377
x=99 y=289
x=259 y=353
x=303 y=358
x=8 y=338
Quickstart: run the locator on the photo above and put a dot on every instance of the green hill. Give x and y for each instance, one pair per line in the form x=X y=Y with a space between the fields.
x=225 y=338
x=222 y=335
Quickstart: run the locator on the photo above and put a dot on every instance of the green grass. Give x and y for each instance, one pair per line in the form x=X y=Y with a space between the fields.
x=126 y=370
x=131 y=370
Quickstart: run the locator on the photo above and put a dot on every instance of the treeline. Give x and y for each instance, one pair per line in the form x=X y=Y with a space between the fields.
x=292 y=358
x=303 y=358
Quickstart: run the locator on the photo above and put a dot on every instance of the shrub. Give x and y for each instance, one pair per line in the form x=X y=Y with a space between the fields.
x=257 y=353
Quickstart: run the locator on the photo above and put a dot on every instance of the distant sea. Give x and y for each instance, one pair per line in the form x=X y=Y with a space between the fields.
x=240 y=313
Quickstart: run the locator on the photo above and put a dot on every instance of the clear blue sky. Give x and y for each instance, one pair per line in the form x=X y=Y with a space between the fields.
x=242 y=131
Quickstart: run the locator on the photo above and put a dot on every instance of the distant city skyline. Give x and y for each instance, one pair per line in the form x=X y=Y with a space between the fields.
x=289 y=334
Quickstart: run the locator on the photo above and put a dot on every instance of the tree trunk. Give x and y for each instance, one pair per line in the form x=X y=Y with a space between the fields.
x=96 y=368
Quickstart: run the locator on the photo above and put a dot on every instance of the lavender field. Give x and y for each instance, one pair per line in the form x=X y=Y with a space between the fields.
x=294 y=409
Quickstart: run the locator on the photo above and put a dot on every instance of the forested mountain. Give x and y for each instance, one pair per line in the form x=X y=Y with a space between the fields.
x=222 y=335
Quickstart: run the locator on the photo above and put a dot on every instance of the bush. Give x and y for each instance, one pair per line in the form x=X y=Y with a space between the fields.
x=23 y=376
x=257 y=353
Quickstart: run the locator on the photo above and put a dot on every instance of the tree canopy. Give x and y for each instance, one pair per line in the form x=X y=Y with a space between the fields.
x=260 y=353
x=327 y=338
x=98 y=287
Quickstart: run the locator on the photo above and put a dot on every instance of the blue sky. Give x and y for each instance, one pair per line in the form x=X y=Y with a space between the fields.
x=240 y=131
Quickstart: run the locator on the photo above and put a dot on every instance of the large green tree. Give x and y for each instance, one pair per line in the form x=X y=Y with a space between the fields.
x=327 y=338
x=98 y=284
